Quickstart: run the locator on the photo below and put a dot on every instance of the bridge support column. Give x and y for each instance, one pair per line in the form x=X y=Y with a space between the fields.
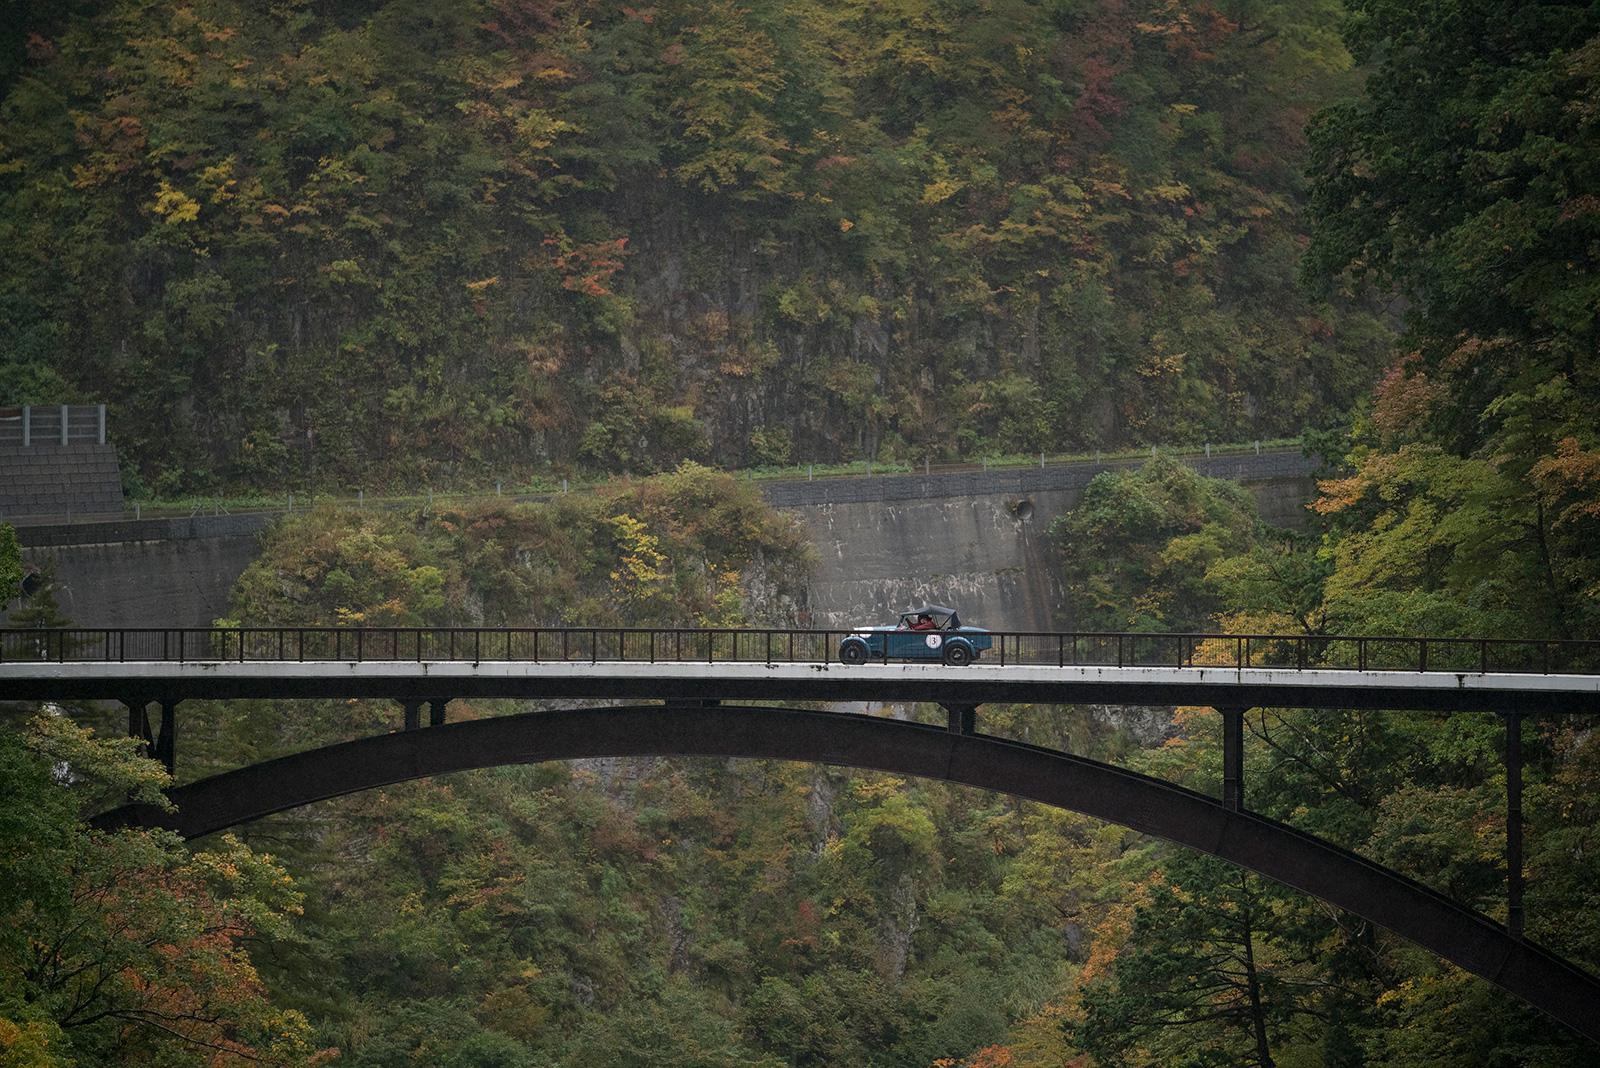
x=1514 y=915
x=1233 y=758
x=167 y=740
x=436 y=707
x=413 y=713
x=138 y=721
x=963 y=719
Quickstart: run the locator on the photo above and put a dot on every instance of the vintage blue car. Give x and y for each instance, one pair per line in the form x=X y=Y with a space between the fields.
x=931 y=632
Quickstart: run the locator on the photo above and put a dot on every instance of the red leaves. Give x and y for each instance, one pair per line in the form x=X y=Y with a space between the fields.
x=587 y=268
x=1404 y=399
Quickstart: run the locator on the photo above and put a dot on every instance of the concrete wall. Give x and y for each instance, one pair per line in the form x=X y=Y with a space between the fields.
x=152 y=573
x=987 y=555
x=975 y=540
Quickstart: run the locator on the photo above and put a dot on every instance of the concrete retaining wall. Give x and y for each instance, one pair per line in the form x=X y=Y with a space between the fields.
x=976 y=540
x=153 y=572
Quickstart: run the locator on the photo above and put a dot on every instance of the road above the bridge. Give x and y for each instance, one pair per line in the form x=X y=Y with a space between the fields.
x=978 y=684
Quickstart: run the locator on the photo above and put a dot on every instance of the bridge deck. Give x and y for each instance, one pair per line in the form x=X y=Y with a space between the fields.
x=686 y=680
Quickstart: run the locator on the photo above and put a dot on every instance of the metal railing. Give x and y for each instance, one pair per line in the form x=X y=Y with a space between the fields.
x=777 y=646
x=33 y=425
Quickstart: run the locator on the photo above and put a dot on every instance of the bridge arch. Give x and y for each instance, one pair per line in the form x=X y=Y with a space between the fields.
x=1424 y=916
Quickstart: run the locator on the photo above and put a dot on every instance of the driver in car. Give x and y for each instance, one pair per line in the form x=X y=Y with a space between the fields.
x=924 y=622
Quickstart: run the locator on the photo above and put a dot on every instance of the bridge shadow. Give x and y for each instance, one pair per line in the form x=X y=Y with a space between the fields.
x=1415 y=912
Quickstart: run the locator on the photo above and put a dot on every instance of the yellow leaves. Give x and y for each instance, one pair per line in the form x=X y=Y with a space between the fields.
x=1184 y=109
x=483 y=283
x=220 y=180
x=174 y=205
x=940 y=190
x=641 y=562
x=877 y=787
x=1158 y=365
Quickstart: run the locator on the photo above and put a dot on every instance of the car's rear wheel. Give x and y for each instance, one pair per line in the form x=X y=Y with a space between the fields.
x=957 y=654
x=853 y=653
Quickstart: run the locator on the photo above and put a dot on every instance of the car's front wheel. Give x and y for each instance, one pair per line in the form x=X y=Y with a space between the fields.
x=853 y=653
x=958 y=654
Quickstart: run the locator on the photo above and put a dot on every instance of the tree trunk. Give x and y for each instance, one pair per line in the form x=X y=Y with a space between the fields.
x=1258 y=1018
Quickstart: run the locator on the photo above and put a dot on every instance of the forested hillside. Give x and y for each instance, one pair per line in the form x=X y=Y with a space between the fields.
x=384 y=241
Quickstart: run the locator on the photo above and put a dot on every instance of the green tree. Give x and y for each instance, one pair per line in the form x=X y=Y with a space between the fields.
x=125 y=945
x=10 y=564
x=1207 y=976
x=1137 y=547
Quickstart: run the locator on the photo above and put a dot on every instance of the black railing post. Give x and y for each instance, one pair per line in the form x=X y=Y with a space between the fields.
x=413 y=712
x=477 y=647
x=1233 y=758
x=1513 y=741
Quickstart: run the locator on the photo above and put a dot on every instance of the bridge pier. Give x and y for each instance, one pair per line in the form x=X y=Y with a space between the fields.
x=162 y=746
x=962 y=719
x=138 y=721
x=1513 y=756
x=436 y=707
x=413 y=712
x=166 y=749
x=1233 y=758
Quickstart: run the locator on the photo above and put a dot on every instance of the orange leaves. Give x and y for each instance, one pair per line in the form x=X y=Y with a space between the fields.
x=586 y=269
x=1569 y=481
x=987 y=1057
x=1404 y=398
x=1339 y=493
